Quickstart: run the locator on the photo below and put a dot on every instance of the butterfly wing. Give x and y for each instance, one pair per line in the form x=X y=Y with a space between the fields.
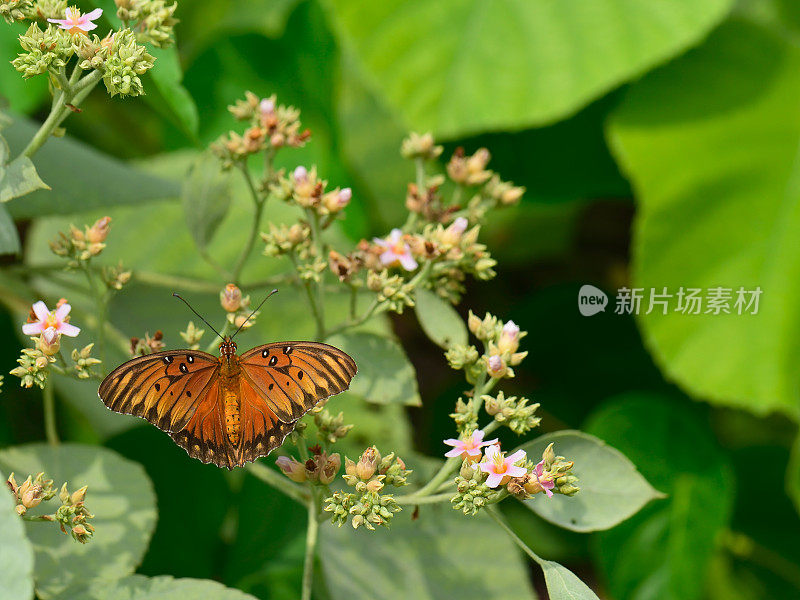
x=178 y=392
x=280 y=382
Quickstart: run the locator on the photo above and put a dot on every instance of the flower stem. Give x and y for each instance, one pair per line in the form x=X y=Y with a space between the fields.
x=50 y=428
x=311 y=547
x=279 y=482
x=74 y=94
x=412 y=499
x=259 y=202
x=523 y=546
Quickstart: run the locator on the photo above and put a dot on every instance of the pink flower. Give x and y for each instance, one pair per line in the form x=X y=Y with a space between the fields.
x=300 y=174
x=267 y=106
x=47 y=319
x=75 y=22
x=547 y=484
x=396 y=251
x=501 y=468
x=470 y=448
x=509 y=338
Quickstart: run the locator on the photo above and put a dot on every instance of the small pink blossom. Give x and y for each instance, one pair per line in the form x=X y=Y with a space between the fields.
x=267 y=106
x=547 y=484
x=501 y=468
x=509 y=338
x=75 y=22
x=396 y=251
x=345 y=196
x=469 y=448
x=46 y=319
x=300 y=174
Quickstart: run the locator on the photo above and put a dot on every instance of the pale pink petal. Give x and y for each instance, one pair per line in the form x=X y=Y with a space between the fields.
x=380 y=242
x=473 y=451
x=516 y=457
x=40 y=310
x=408 y=262
x=63 y=22
x=50 y=335
x=68 y=330
x=548 y=492
x=395 y=235
x=490 y=442
x=454 y=452
x=453 y=442
x=477 y=435
x=539 y=468
x=486 y=467
x=32 y=328
x=494 y=480
x=388 y=257
x=513 y=471
x=88 y=26
x=62 y=311
x=91 y=16
x=492 y=451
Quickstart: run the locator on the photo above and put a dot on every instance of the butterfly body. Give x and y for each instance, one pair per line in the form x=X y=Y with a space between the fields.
x=230 y=409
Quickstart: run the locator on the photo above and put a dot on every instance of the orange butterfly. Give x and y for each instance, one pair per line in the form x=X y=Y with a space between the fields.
x=232 y=409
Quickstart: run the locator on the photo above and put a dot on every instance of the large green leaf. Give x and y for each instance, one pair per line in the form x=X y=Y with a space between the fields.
x=563 y=584
x=174 y=99
x=711 y=144
x=138 y=587
x=611 y=488
x=385 y=375
x=441 y=555
x=665 y=550
x=121 y=497
x=461 y=66
x=82 y=178
x=19 y=178
x=16 y=552
x=206 y=197
x=9 y=238
x=439 y=320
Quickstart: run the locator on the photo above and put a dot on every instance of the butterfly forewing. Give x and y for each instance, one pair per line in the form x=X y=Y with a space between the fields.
x=165 y=388
x=292 y=377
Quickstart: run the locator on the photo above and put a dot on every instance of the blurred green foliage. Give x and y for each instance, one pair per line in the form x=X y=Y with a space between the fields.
x=658 y=143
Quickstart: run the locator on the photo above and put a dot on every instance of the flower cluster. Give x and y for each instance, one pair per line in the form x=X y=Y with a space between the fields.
x=330 y=428
x=487 y=477
x=368 y=476
x=192 y=336
x=501 y=345
x=71 y=516
x=237 y=307
x=119 y=58
x=271 y=127
x=519 y=416
x=320 y=468
x=79 y=246
x=46 y=327
x=148 y=344
x=153 y=21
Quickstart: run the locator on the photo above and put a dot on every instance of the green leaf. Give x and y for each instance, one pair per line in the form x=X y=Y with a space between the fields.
x=87 y=179
x=463 y=66
x=665 y=550
x=139 y=587
x=563 y=584
x=611 y=488
x=385 y=375
x=439 y=320
x=120 y=496
x=710 y=142
x=16 y=552
x=9 y=238
x=439 y=556
x=19 y=178
x=177 y=101
x=206 y=197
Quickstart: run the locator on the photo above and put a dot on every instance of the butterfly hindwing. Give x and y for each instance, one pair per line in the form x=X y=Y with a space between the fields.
x=291 y=377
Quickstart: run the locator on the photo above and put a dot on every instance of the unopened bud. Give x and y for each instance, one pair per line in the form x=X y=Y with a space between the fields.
x=292 y=468
x=231 y=298
x=99 y=231
x=49 y=343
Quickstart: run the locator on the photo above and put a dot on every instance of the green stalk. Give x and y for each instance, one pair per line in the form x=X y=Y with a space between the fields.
x=311 y=546
x=279 y=482
x=50 y=428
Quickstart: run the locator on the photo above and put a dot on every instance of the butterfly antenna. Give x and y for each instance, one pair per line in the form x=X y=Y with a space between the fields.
x=198 y=314
x=254 y=312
